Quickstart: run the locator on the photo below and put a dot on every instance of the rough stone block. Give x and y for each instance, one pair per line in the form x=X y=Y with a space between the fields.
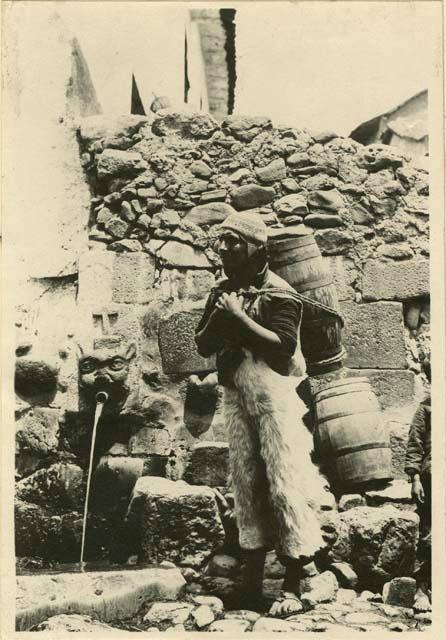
x=346 y=577
x=59 y=487
x=36 y=438
x=114 y=162
x=178 y=254
x=214 y=603
x=344 y=275
x=323 y=220
x=275 y=170
x=231 y=626
x=223 y=566
x=203 y=616
x=400 y=592
x=399 y=435
x=116 y=319
x=64 y=623
x=294 y=204
x=266 y=626
x=108 y=595
x=325 y=201
x=394 y=387
x=36 y=530
x=172 y=612
x=198 y=530
x=176 y=338
x=245 y=128
x=250 y=196
x=320 y=588
x=333 y=241
x=396 y=280
x=373 y=335
x=208 y=464
x=212 y=213
x=133 y=276
x=378 y=542
x=158 y=410
x=398 y=491
x=150 y=441
x=350 y=500
x=95 y=277
x=188 y=125
x=97 y=127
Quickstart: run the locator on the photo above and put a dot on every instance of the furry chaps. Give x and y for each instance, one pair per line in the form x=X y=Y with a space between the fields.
x=277 y=488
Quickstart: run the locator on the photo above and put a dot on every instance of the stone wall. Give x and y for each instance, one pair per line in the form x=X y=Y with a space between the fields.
x=158 y=190
x=368 y=207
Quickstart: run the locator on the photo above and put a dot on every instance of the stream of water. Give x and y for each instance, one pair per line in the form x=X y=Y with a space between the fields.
x=101 y=399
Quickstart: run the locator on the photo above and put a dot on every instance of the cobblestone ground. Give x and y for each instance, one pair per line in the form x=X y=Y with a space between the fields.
x=345 y=616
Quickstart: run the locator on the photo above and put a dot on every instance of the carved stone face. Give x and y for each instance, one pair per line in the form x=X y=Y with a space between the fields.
x=106 y=369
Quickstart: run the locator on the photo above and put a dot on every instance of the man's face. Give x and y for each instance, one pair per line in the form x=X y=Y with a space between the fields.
x=233 y=252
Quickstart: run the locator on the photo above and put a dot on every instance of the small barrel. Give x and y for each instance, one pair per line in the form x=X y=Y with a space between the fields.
x=350 y=434
x=294 y=255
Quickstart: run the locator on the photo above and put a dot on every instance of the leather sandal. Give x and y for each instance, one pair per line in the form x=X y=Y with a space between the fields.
x=283 y=596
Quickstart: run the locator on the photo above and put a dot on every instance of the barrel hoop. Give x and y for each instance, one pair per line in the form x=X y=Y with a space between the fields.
x=316 y=367
x=316 y=322
x=342 y=393
x=340 y=414
x=316 y=284
x=343 y=382
x=325 y=355
x=344 y=451
x=297 y=241
x=283 y=262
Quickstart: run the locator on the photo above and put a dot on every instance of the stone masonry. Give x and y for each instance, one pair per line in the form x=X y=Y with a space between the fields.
x=158 y=189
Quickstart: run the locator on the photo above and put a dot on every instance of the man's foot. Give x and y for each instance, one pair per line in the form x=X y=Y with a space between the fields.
x=287 y=604
x=421 y=602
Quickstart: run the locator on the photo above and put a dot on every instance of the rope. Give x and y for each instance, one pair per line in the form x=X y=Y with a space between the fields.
x=294 y=294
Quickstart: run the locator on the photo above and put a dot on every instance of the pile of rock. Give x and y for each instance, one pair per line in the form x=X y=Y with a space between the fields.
x=336 y=610
x=170 y=180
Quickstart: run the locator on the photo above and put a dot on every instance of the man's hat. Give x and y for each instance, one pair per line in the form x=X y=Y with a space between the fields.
x=249 y=226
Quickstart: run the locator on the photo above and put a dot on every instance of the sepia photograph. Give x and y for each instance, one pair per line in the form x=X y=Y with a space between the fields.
x=222 y=227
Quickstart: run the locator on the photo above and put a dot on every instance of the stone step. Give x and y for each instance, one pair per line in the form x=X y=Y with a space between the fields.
x=107 y=595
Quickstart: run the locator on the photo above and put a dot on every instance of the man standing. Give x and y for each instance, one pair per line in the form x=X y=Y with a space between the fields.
x=252 y=321
x=418 y=467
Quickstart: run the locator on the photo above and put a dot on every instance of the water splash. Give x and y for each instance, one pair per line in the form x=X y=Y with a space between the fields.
x=101 y=399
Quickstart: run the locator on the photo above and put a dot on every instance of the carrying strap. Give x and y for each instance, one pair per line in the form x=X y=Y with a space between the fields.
x=292 y=294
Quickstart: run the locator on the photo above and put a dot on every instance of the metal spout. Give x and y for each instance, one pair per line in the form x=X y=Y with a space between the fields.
x=101 y=397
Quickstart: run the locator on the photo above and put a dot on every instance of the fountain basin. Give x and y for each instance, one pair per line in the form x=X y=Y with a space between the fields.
x=106 y=595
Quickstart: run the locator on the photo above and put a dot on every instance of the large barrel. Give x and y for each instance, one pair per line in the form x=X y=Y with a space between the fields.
x=350 y=434
x=295 y=257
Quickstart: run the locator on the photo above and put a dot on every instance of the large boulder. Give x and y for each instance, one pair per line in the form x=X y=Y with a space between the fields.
x=208 y=464
x=37 y=438
x=60 y=486
x=379 y=542
x=178 y=522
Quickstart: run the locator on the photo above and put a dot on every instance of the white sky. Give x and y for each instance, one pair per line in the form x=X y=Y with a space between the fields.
x=321 y=65
x=333 y=65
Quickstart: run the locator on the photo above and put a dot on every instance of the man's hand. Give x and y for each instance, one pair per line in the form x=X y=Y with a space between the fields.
x=417 y=490
x=232 y=304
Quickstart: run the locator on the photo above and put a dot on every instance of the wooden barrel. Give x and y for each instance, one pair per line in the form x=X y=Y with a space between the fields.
x=350 y=433
x=294 y=255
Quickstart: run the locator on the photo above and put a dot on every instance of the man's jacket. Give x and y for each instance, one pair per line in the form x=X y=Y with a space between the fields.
x=418 y=454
